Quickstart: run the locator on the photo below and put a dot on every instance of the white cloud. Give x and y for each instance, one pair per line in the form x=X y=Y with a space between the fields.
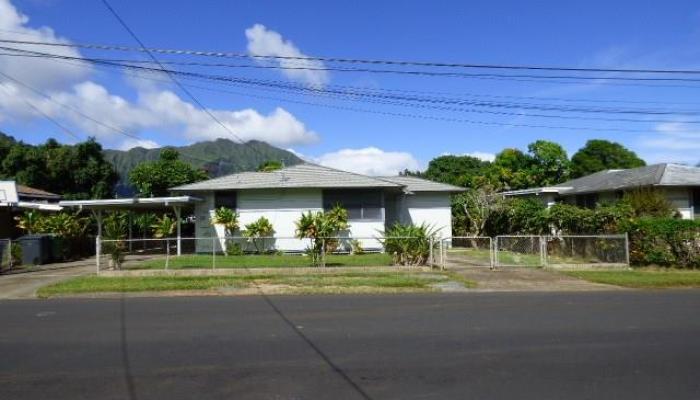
x=369 y=161
x=266 y=42
x=145 y=143
x=154 y=110
x=675 y=142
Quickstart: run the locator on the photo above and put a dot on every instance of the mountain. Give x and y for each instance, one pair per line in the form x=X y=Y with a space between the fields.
x=218 y=157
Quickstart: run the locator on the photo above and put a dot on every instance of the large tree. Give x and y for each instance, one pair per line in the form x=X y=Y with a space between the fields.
x=598 y=155
x=154 y=178
x=550 y=163
x=74 y=171
x=455 y=170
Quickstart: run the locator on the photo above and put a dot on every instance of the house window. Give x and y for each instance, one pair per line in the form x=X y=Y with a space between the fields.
x=225 y=199
x=587 y=200
x=361 y=204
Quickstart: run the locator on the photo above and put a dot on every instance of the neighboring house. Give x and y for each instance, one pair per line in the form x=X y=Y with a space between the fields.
x=679 y=183
x=373 y=203
x=15 y=198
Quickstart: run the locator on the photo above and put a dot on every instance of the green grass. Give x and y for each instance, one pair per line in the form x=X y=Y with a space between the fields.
x=264 y=261
x=642 y=278
x=353 y=282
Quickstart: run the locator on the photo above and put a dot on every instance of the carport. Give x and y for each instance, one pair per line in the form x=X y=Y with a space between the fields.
x=97 y=207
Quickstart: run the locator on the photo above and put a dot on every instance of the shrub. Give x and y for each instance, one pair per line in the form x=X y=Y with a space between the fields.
x=257 y=231
x=114 y=229
x=226 y=217
x=649 y=202
x=410 y=244
x=356 y=247
x=665 y=242
x=322 y=228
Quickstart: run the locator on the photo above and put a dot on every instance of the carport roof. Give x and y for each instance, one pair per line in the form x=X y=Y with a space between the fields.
x=134 y=203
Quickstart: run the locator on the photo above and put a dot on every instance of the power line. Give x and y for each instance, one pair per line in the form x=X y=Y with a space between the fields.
x=355 y=60
x=362 y=92
x=184 y=89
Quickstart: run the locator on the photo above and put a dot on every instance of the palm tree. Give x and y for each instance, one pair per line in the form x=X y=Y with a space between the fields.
x=257 y=231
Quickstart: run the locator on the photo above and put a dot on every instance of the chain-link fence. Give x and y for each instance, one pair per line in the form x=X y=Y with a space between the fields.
x=564 y=251
x=264 y=252
x=587 y=251
x=467 y=250
x=5 y=255
x=519 y=251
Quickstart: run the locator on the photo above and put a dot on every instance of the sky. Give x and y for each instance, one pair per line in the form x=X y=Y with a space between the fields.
x=358 y=133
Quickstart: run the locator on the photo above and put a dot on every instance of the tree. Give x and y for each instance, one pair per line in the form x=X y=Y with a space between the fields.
x=550 y=163
x=476 y=205
x=270 y=165
x=76 y=172
x=154 y=178
x=598 y=155
x=322 y=228
x=454 y=170
x=509 y=171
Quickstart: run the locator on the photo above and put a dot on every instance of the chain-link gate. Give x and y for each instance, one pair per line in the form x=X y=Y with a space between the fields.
x=467 y=251
x=520 y=251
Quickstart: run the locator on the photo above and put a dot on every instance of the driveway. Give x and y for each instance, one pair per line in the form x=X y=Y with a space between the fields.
x=24 y=285
x=509 y=279
x=586 y=345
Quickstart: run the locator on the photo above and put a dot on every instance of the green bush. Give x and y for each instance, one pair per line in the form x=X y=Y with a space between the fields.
x=666 y=242
x=410 y=244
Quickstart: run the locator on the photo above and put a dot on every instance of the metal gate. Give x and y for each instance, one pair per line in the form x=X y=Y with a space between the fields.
x=467 y=250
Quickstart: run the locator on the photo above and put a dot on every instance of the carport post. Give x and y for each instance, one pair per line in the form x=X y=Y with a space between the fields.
x=179 y=238
x=98 y=239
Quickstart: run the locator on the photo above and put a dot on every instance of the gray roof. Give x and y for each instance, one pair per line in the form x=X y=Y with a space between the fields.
x=414 y=184
x=304 y=175
x=651 y=175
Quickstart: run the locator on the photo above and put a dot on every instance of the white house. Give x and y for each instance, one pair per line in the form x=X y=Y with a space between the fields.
x=373 y=203
x=679 y=183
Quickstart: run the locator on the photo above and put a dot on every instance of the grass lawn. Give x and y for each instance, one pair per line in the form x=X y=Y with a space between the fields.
x=352 y=282
x=265 y=261
x=642 y=278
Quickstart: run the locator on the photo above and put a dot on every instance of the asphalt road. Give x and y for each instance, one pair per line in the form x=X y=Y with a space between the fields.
x=601 y=345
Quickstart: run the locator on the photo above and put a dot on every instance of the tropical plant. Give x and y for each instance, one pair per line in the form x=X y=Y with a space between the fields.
x=164 y=227
x=227 y=218
x=410 y=244
x=257 y=231
x=155 y=178
x=114 y=230
x=30 y=221
x=322 y=228
x=648 y=202
x=356 y=247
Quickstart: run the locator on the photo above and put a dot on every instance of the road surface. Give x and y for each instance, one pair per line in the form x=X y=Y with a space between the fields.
x=588 y=345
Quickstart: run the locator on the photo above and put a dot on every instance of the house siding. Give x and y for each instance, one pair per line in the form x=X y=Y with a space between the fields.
x=433 y=209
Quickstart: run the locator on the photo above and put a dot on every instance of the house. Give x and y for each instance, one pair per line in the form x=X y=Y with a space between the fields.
x=679 y=183
x=15 y=198
x=373 y=203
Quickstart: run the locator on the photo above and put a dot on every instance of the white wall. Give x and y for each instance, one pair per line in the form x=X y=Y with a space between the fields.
x=428 y=208
x=8 y=192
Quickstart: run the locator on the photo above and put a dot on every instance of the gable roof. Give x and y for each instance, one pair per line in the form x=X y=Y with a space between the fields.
x=26 y=191
x=651 y=175
x=415 y=184
x=305 y=175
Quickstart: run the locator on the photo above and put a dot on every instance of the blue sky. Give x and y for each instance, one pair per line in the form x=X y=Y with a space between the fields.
x=608 y=34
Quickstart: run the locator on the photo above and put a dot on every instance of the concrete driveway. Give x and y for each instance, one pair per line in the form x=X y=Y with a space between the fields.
x=25 y=284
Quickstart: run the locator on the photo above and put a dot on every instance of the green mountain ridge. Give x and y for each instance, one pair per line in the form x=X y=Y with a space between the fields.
x=218 y=157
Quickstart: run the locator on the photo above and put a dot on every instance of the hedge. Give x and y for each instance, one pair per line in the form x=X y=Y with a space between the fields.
x=666 y=242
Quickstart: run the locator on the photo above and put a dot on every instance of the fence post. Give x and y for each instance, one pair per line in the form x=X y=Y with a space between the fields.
x=98 y=251
x=543 y=251
x=167 y=253
x=213 y=252
x=430 y=253
x=9 y=250
x=495 y=252
x=323 y=253
x=627 y=248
